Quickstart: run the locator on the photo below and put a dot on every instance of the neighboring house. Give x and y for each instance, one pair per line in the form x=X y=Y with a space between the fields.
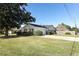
x=61 y=27
x=35 y=27
x=62 y=30
x=14 y=30
x=10 y=31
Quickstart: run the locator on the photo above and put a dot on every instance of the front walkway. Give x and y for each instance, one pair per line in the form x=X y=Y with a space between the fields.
x=62 y=37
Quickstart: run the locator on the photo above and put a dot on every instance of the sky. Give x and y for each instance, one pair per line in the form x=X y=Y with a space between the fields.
x=54 y=13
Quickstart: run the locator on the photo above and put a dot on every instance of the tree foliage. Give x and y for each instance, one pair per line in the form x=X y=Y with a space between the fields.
x=67 y=26
x=12 y=15
x=71 y=29
x=75 y=29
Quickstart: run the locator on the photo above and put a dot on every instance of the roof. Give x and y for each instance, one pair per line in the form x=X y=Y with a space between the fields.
x=61 y=27
x=50 y=27
x=38 y=25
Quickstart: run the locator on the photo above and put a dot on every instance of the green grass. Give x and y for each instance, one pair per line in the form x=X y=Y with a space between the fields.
x=36 y=46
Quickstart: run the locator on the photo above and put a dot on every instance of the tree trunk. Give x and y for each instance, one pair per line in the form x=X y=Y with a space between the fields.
x=6 y=32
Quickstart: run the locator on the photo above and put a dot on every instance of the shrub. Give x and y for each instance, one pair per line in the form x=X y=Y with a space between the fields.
x=38 y=33
x=67 y=33
x=24 y=33
x=50 y=32
x=1 y=32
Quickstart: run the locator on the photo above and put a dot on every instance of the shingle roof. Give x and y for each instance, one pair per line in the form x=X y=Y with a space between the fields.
x=50 y=27
x=61 y=27
x=38 y=25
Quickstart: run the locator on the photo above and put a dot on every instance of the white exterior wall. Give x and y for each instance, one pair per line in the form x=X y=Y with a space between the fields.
x=39 y=28
x=35 y=28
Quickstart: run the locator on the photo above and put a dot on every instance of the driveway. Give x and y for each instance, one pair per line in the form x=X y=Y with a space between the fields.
x=62 y=37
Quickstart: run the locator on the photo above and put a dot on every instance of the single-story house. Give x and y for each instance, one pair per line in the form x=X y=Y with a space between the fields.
x=34 y=27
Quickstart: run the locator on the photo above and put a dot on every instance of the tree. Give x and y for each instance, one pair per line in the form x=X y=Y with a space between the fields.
x=12 y=15
x=75 y=29
x=67 y=26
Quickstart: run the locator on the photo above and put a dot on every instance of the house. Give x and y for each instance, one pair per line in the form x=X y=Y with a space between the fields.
x=34 y=27
x=62 y=29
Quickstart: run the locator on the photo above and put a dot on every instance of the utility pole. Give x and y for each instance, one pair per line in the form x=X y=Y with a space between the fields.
x=75 y=26
x=72 y=48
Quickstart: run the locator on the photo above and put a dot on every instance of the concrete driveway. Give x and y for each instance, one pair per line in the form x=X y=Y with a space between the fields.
x=62 y=37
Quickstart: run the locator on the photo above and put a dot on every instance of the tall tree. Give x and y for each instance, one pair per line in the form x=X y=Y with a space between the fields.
x=12 y=15
x=75 y=29
x=67 y=26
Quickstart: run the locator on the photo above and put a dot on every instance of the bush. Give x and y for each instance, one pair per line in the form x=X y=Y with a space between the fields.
x=51 y=33
x=1 y=32
x=24 y=33
x=67 y=33
x=38 y=33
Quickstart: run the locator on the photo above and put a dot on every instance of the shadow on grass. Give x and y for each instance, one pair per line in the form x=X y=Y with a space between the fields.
x=11 y=36
x=14 y=36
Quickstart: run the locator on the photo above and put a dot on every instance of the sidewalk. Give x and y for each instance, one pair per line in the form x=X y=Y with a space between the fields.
x=62 y=38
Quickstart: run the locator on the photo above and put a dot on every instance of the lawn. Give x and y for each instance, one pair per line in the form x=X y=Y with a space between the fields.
x=36 y=46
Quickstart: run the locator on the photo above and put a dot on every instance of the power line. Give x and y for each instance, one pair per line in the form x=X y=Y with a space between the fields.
x=73 y=18
x=65 y=6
